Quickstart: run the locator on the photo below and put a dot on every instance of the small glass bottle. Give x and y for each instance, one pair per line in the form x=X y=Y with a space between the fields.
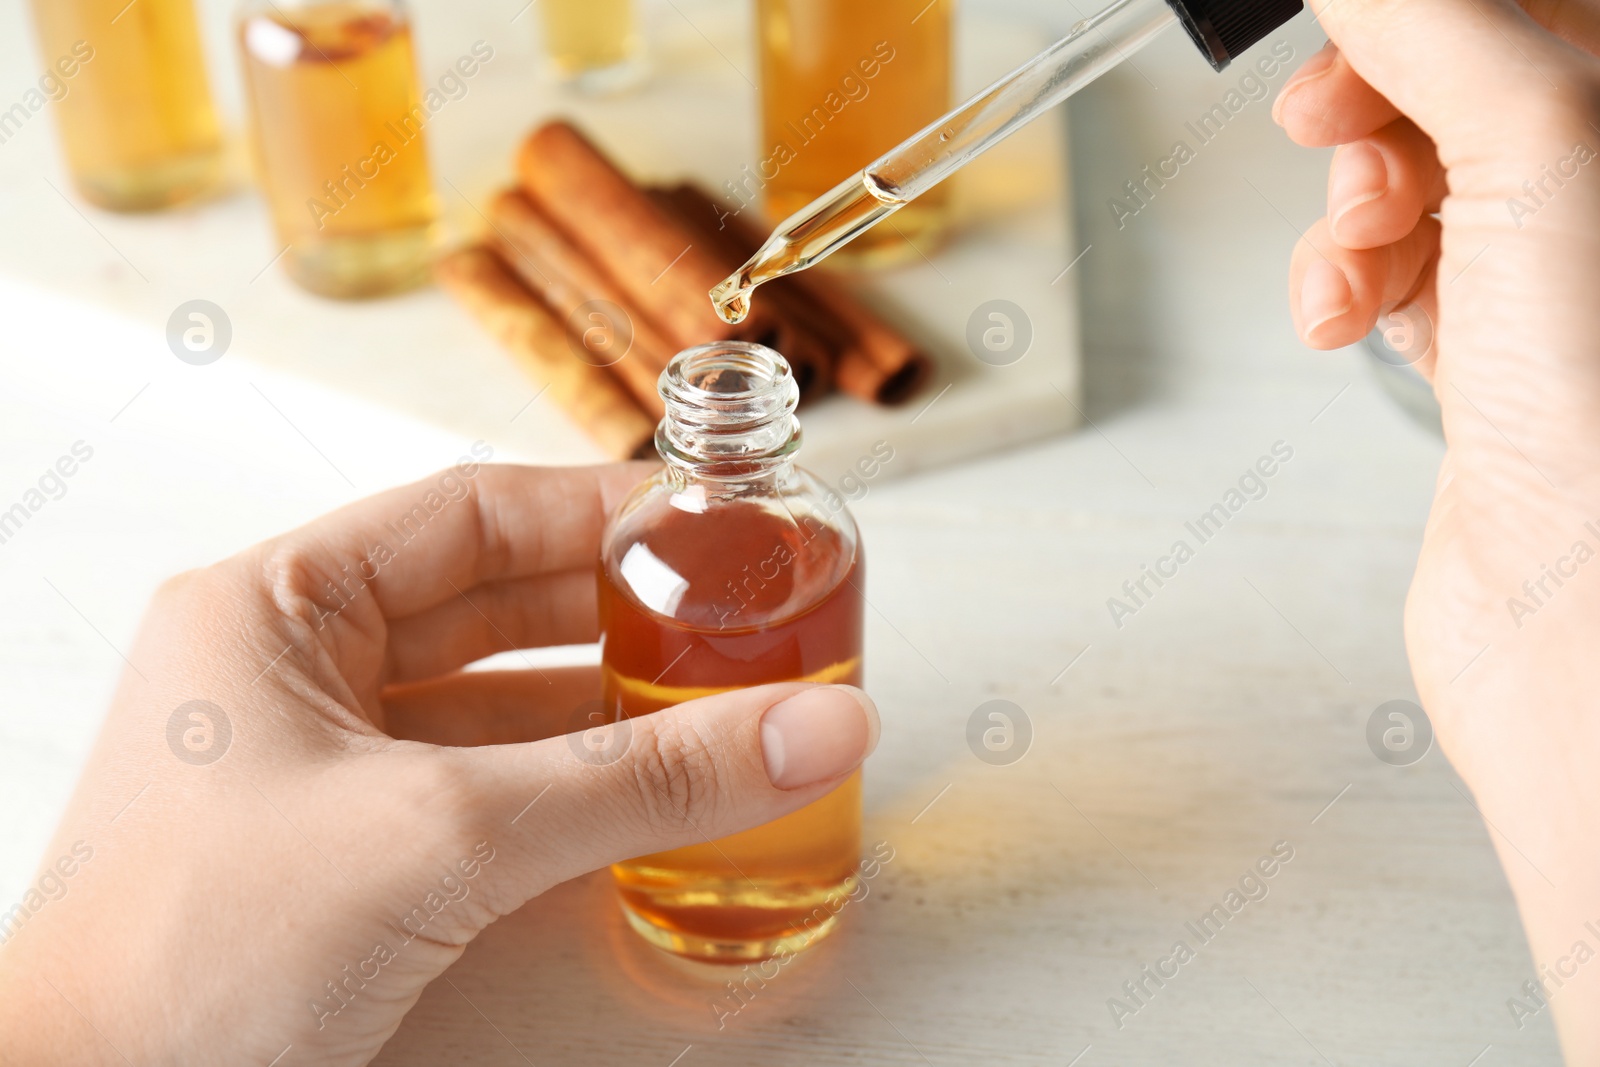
x=842 y=82
x=594 y=45
x=732 y=567
x=339 y=142
x=134 y=111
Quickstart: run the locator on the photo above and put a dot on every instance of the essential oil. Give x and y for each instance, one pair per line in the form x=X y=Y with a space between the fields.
x=339 y=143
x=134 y=109
x=733 y=568
x=594 y=45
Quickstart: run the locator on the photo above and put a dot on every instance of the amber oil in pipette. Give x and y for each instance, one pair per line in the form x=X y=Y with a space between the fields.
x=805 y=237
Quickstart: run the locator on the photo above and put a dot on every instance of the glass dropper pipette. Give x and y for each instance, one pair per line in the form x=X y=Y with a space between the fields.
x=1220 y=28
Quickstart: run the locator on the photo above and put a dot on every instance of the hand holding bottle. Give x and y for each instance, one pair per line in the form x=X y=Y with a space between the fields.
x=1466 y=196
x=279 y=841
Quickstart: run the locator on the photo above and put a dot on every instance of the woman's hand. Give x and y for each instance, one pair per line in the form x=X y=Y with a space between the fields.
x=1465 y=198
x=267 y=860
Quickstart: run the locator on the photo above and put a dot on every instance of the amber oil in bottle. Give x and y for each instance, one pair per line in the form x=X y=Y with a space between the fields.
x=339 y=140
x=594 y=45
x=730 y=568
x=131 y=100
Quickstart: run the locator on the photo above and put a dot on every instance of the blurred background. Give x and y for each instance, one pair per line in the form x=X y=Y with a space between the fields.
x=1107 y=354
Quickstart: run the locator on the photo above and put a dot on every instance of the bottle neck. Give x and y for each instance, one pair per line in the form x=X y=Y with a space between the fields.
x=729 y=414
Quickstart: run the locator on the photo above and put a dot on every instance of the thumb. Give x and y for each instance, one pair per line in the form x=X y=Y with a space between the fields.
x=1476 y=75
x=687 y=774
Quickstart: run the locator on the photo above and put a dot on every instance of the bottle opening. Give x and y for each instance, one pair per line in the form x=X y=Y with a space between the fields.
x=729 y=410
x=725 y=370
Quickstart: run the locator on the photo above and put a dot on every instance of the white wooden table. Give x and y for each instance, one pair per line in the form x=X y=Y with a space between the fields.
x=1167 y=756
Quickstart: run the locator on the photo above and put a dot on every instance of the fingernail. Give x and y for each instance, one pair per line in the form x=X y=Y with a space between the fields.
x=1324 y=295
x=1360 y=176
x=1315 y=67
x=818 y=734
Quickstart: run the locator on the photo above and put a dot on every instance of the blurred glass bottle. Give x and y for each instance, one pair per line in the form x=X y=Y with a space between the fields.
x=339 y=145
x=842 y=82
x=594 y=45
x=135 y=114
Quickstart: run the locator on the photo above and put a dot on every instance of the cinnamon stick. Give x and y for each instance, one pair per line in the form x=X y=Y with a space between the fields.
x=660 y=263
x=590 y=395
x=874 y=361
x=557 y=272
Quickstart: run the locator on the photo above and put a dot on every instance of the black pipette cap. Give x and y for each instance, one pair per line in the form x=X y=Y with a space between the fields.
x=1222 y=29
